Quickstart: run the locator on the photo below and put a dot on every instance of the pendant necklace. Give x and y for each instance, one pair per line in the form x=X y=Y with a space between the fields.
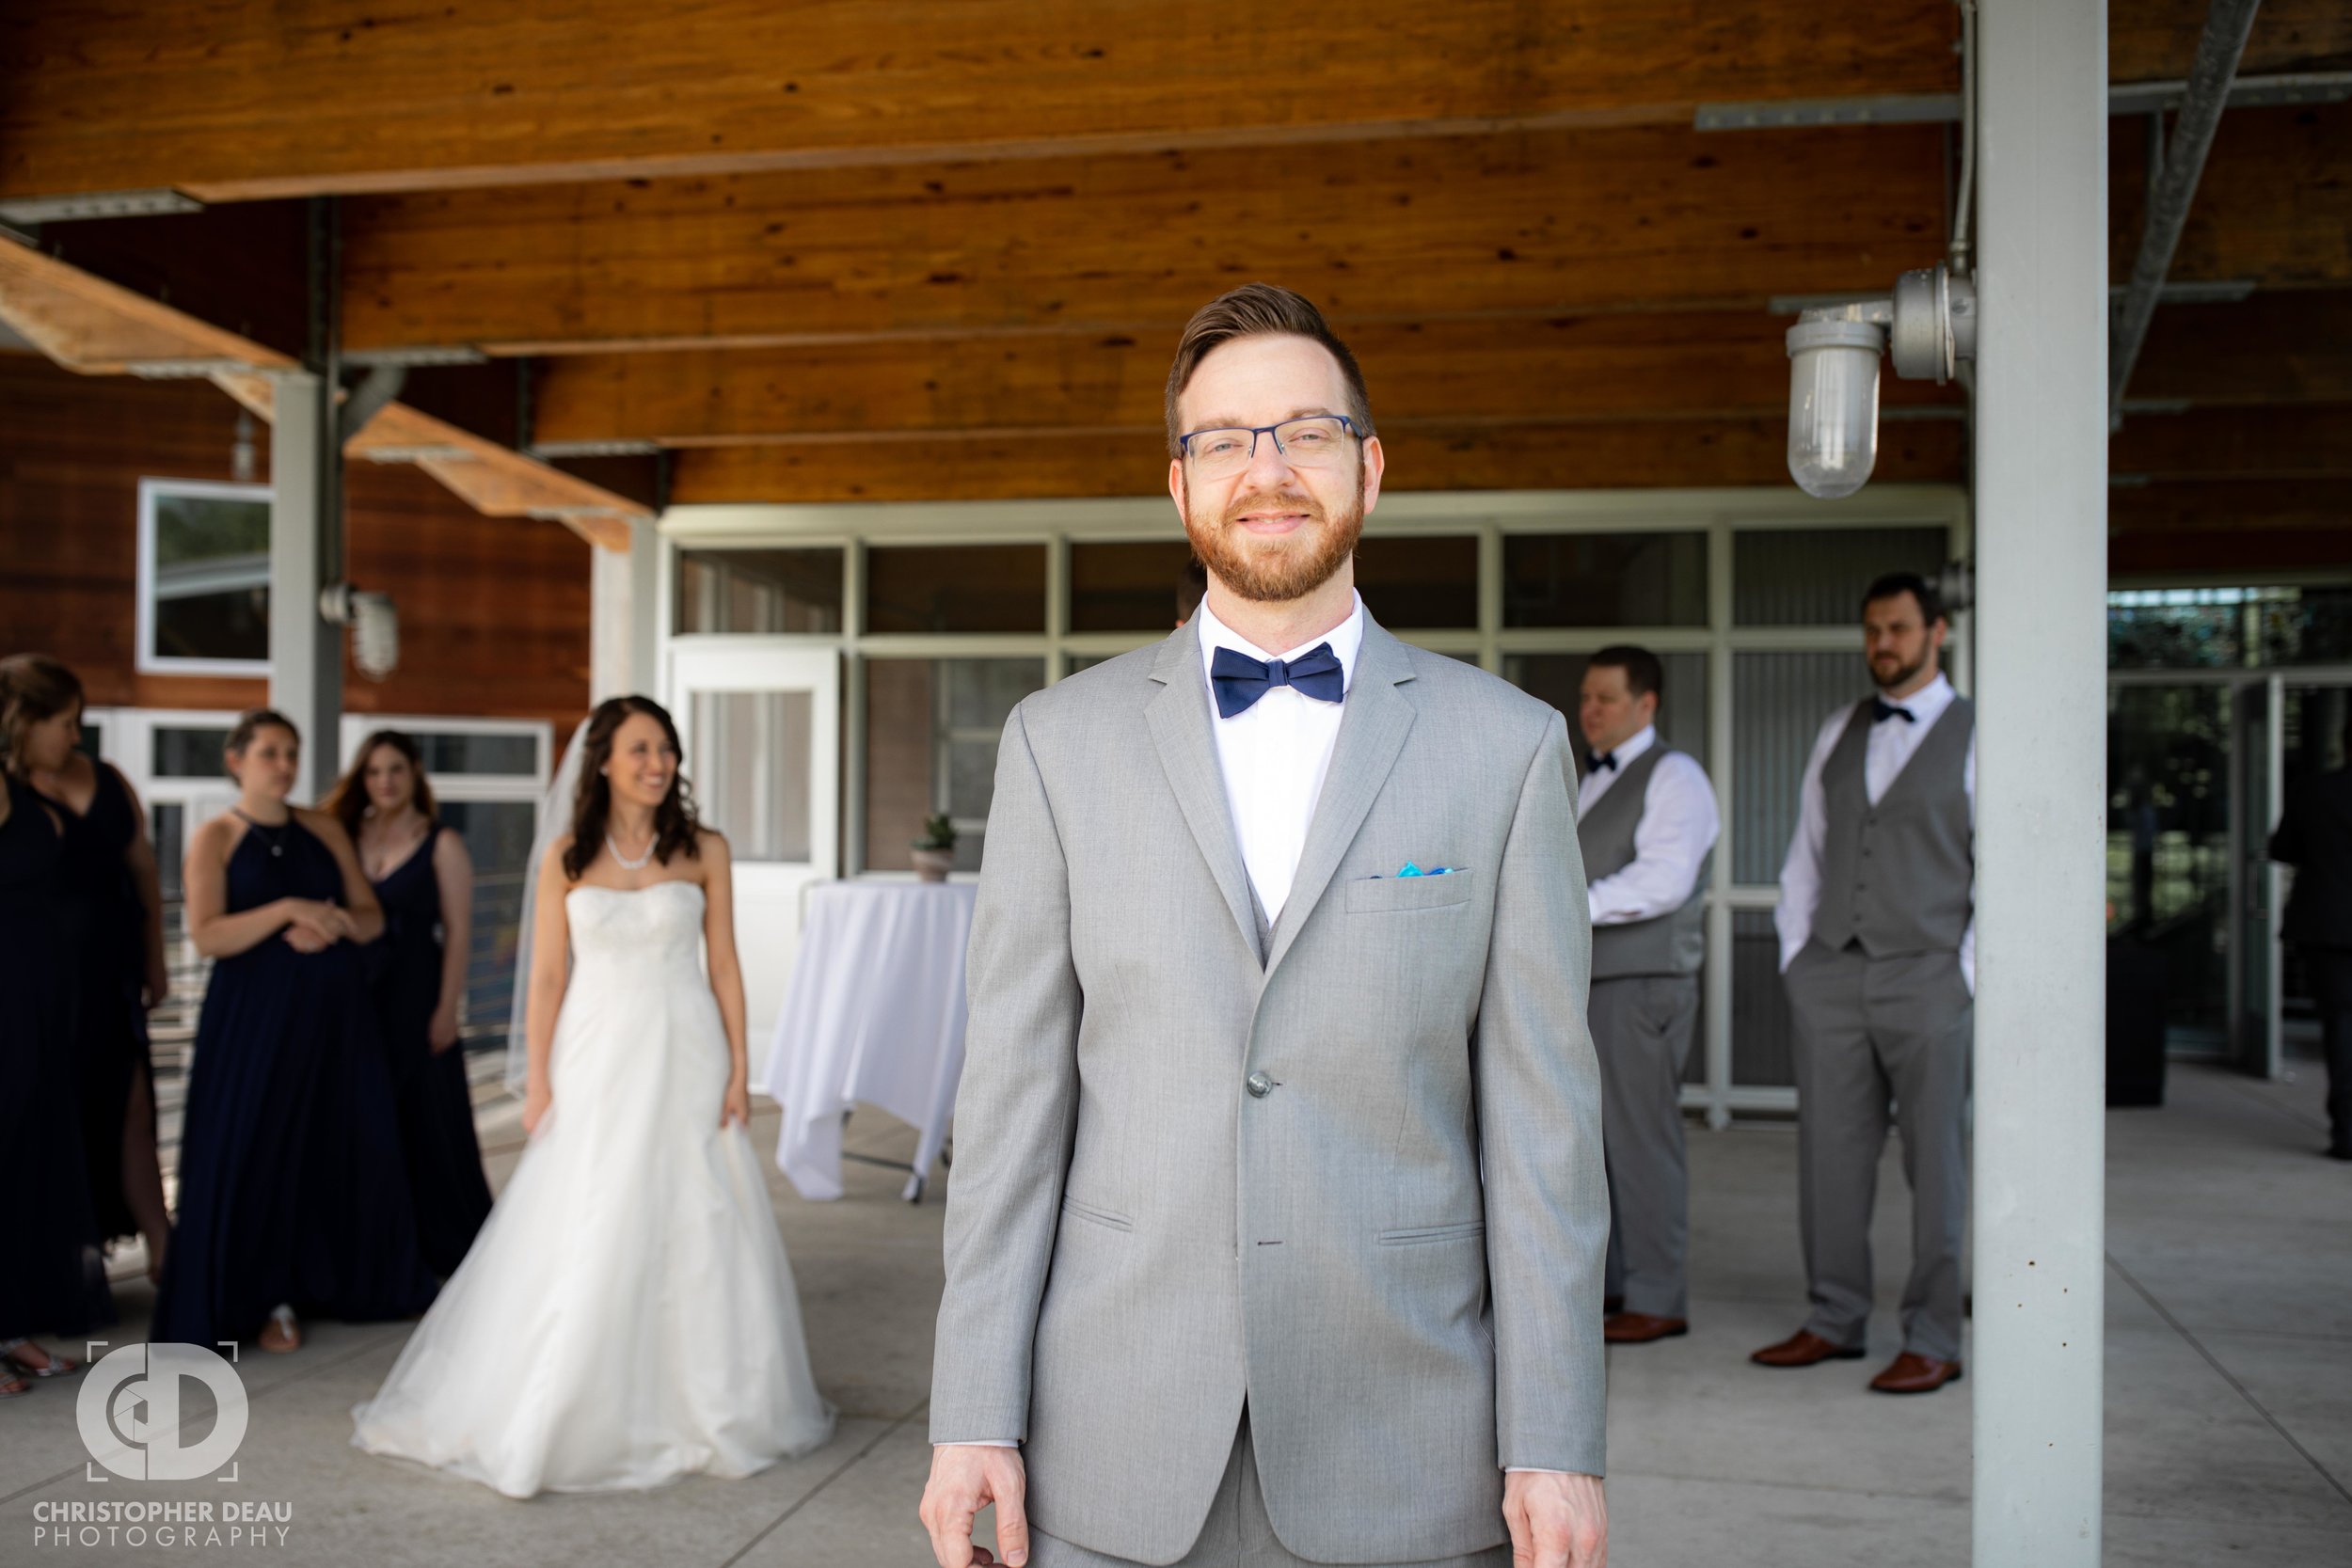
x=274 y=837
x=640 y=862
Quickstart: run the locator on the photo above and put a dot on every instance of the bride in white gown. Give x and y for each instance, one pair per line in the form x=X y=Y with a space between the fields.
x=627 y=1316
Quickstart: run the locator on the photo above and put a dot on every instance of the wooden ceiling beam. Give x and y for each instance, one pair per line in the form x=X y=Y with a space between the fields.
x=2155 y=41
x=1534 y=224
x=1602 y=455
x=2292 y=347
x=2252 y=443
x=237 y=99
x=2321 y=506
x=87 y=323
x=2273 y=207
x=1699 y=365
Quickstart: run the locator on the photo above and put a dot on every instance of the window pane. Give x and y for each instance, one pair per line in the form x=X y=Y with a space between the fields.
x=167 y=825
x=504 y=755
x=759 y=591
x=1815 y=577
x=1760 y=1030
x=751 y=771
x=1134 y=585
x=1420 y=582
x=1604 y=580
x=193 y=752
x=931 y=733
x=1557 y=678
x=211 y=577
x=498 y=840
x=931 y=588
x=1779 y=702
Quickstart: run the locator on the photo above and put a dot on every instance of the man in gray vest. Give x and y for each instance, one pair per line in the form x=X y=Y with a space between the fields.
x=1877 y=939
x=1646 y=821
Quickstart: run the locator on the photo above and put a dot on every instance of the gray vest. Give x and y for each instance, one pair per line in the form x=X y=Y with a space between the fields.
x=1898 y=876
x=1672 y=943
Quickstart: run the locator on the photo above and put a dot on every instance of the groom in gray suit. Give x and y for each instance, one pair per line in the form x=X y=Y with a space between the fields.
x=1278 y=1223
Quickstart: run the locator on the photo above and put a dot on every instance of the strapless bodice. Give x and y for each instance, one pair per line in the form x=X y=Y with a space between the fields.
x=655 y=926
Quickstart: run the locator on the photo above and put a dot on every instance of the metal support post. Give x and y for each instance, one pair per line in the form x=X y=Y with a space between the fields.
x=2040 y=625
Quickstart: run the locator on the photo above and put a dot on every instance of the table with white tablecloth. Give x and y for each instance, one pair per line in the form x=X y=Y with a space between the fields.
x=874 y=1014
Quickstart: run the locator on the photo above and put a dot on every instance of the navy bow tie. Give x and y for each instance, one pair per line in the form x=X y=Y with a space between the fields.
x=1240 y=680
x=1882 y=710
x=1595 y=764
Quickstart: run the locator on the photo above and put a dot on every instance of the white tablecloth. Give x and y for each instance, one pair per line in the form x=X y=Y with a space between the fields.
x=874 y=1014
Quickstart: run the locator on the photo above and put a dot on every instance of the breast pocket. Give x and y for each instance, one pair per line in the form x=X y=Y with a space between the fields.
x=1385 y=895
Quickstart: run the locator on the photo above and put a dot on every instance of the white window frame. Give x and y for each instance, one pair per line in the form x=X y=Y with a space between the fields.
x=148 y=662
x=1719 y=514
x=530 y=787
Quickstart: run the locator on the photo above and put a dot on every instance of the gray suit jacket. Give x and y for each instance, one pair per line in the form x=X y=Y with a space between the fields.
x=1395 y=1255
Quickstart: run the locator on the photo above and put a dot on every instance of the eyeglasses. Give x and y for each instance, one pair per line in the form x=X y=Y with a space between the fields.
x=1318 y=441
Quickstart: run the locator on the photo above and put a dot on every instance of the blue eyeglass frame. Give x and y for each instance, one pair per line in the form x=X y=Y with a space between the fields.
x=1184 y=442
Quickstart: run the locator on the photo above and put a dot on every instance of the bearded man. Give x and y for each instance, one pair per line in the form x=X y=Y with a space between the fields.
x=1279 y=1215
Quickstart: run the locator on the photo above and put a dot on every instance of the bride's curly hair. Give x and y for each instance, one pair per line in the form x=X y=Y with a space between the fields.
x=675 y=823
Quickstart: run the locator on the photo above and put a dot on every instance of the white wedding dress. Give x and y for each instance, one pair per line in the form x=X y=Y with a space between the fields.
x=627 y=1316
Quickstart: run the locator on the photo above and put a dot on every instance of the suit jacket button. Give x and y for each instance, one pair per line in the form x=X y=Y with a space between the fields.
x=1260 y=1086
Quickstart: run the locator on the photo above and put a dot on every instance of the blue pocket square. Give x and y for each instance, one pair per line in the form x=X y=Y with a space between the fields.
x=1409 y=869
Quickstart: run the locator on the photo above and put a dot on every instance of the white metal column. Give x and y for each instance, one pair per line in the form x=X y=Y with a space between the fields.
x=306 y=652
x=2040 y=530
x=624 y=594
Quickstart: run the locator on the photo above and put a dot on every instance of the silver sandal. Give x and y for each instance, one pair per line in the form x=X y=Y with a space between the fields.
x=59 y=1365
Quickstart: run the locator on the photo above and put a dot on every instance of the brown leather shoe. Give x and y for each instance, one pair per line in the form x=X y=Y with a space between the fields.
x=1915 y=1375
x=1641 y=1328
x=1805 y=1348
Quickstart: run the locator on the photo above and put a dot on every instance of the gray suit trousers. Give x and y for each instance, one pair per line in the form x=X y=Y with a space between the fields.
x=1868 y=1031
x=1642 y=1029
x=1237 y=1533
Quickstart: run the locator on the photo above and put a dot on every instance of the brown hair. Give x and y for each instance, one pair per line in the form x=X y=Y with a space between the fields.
x=1252 y=310
x=34 y=689
x=252 y=722
x=347 y=802
x=674 y=820
x=1643 y=672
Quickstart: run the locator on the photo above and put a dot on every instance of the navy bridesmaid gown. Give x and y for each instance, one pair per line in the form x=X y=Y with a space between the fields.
x=292 y=1187
x=106 y=922
x=450 y=1193
x=51 y=1280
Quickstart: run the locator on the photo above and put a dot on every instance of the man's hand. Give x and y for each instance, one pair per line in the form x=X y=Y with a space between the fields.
x=966 y=1477
x=1557 y=1521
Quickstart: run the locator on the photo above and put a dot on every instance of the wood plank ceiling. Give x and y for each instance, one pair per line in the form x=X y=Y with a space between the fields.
x=909 y=250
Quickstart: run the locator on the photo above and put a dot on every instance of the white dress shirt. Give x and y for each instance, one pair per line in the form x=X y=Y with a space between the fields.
x=1679 y=825
x=1275 y=754
x=1892 y=743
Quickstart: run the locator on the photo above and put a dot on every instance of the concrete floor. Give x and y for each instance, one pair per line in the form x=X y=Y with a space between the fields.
x=2229 y=1388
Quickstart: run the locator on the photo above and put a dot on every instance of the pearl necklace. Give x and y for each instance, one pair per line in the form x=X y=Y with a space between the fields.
x=640 y=862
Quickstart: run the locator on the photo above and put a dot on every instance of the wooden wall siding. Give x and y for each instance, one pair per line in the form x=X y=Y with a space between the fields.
x=1535 y=224
x=1586 y=454
x=493 y=615
x=241 y=98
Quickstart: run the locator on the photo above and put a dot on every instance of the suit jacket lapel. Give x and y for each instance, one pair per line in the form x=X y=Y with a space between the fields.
x=1372 y=733
x=1179 y=719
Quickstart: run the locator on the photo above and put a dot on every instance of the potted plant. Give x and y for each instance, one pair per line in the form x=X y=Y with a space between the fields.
x=935 y=850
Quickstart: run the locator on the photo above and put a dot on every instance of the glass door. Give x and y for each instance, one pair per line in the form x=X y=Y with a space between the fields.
x=2254 y=881
x=762 y=727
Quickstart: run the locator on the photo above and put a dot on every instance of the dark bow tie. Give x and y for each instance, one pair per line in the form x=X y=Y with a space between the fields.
x=1882 y=710
x=1595 y=764
x=1240 y=680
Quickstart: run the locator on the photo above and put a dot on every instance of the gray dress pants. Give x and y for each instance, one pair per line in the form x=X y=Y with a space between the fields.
x=1871 y=1031
x=1237 y=1533
x=1642 y=1029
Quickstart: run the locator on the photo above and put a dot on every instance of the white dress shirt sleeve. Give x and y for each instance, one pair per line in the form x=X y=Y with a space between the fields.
x=1679 y=825
x=1800 y=873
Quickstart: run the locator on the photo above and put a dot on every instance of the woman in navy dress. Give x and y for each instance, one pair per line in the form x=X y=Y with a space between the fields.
x=51 y=1280
x=113 y=914
x=292 y=1194
x=424 y=880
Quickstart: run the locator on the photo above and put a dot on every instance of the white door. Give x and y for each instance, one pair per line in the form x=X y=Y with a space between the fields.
x=762 y=734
